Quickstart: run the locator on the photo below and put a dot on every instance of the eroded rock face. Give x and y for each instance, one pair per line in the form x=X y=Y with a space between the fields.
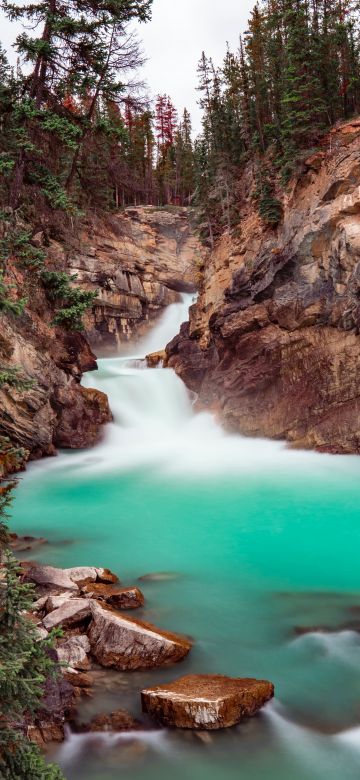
x=138 y=260
x=56 y=410
x=273 y=341
x=206 y=702
x=125 y=643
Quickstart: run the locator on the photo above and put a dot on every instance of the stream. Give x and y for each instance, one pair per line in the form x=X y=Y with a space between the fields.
x=257 y=540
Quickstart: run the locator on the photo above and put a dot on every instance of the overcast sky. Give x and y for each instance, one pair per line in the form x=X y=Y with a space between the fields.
x=180 y=30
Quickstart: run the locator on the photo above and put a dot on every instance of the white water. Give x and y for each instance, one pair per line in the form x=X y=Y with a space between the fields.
x=77 y=746
x=155 y=425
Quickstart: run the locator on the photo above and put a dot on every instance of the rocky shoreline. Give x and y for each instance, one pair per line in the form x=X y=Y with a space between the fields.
x=88 y=617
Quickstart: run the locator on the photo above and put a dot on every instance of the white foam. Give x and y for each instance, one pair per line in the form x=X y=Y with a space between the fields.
x=155 y=425
x=76 y=745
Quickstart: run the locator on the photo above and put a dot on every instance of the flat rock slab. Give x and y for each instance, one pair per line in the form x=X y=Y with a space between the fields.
x=125 y=643
x=206 y=701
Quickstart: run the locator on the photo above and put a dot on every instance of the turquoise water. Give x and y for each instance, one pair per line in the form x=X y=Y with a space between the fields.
x=260 y=540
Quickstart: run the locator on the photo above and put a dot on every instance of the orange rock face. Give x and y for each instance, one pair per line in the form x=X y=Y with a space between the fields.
x=206 y=702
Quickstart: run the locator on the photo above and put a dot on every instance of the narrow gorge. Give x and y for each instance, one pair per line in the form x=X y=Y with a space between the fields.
x=179 y=390
x=273 y=341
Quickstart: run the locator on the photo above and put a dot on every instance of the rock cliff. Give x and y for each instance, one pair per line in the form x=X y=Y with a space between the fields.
x=273 y=342
x=54 y=411
x=138 y=260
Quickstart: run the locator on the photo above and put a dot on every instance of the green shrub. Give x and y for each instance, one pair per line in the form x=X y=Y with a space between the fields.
x=75 y=301
x=11 y=378
x=24 y=667
x=7 y=305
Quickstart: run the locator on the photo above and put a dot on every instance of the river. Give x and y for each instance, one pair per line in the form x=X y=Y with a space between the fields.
x=257 y=540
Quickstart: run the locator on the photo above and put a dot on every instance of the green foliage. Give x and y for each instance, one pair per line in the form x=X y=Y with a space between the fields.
x=70 y=316
x=297 y=72
x=57 y=284
x=6 y=164
x=74 y=301
x=52 y=189
x=7 y=304
x=11 y=377
x=66 y=131
x=270 y=208
x=24 y=667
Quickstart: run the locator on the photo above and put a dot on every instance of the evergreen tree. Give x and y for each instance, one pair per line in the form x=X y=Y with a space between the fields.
x=24 y=667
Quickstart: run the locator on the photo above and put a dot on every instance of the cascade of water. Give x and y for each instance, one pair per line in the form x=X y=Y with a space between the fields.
x=155 y=425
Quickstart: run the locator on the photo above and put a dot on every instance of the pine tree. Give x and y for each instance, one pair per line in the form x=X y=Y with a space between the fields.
x=80 y=50
x=24 y=667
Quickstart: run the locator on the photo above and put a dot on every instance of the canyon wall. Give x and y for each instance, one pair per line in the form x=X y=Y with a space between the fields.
x=138 y=261
x=273 y=342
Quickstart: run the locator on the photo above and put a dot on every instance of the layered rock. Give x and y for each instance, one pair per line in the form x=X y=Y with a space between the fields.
x=273 y=341
x=138 y=260
x=55 y=410
x=125 y=643
x=206 y=702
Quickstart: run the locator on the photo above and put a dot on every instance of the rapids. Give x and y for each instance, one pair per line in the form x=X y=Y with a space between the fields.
x=259 y=539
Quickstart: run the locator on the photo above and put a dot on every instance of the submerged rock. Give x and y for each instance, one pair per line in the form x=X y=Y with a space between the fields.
x=125 y=643
x=22 y=544
x=114 y=722
x=206 y=702
x=159 y=576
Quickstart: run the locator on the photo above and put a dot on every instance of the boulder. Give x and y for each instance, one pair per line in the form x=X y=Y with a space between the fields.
x=50 y=577
x=156 y=359
x=82 y=574
x=105 y=575
x=39 y=604
x=114 y=722
x=73 y=652
x=125 y=643
x=74 y=613
x=206 y=701
x=56 y=600
x=120 y=598
x=78 y=678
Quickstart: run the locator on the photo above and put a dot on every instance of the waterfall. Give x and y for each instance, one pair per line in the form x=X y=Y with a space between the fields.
x=155 y=424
